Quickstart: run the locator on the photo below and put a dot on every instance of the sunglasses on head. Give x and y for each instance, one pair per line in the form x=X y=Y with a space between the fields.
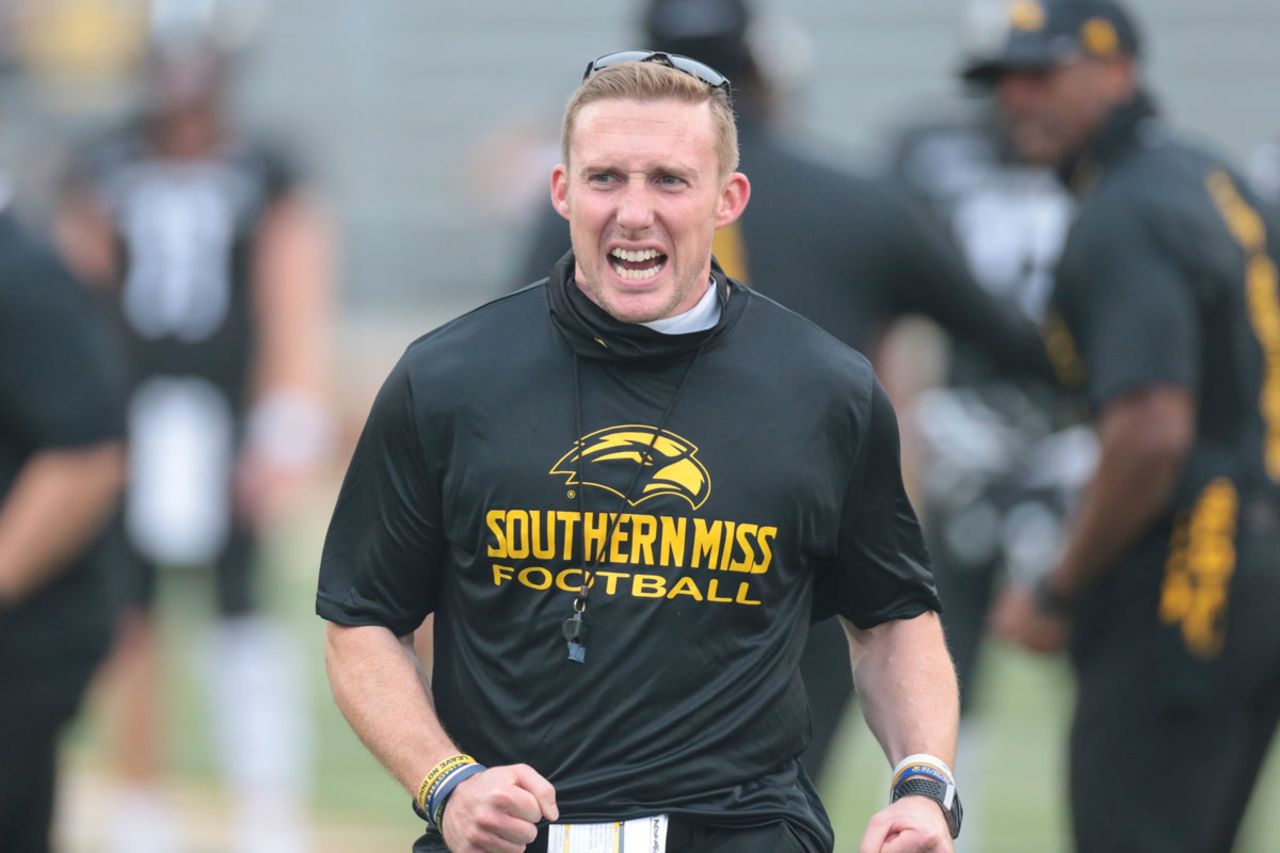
x=692 y=67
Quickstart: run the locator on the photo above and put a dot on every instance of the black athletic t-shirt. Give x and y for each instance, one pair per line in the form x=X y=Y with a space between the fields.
x=60 y=388
x=1156 y=286
x=1168 y=277
x=776 y=474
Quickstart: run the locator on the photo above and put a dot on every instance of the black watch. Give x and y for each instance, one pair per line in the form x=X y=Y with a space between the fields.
x=942 y=793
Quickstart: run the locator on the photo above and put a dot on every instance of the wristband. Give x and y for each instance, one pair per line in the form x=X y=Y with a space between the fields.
x=440 y=797
x=432 y=781
x=923 y=775
x=922 y=762
x=291 y=429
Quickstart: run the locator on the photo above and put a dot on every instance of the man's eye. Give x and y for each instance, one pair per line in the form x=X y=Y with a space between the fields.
x=670 y=181
x=601 y=179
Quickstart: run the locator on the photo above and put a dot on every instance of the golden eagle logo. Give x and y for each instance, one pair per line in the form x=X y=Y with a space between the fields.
x=608 y=458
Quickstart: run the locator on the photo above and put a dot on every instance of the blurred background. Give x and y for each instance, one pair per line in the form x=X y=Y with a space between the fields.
x=428 y=130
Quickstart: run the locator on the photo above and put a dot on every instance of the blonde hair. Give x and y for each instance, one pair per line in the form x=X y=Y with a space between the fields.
x=653 y=81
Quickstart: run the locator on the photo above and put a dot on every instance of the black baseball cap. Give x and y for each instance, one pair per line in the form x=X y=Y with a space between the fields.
x=1044 y=33
x=712 y=31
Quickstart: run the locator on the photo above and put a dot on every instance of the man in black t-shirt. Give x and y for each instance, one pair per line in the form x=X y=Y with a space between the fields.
x=849 y=252
x=61 y=467
x=623 y=492
x=1165 y=312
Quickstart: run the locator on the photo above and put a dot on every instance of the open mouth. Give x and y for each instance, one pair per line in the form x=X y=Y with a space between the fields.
x=637 y=265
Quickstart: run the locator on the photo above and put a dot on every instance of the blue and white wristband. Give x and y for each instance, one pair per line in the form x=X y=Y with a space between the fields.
x=924 y=775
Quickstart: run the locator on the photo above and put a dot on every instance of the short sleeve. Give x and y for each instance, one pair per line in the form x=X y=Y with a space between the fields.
x=881 y=571
x=61 y=383
x=382 y=552
x=1130 y=311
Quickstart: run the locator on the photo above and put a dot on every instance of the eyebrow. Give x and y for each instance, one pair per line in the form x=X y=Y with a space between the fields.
x=685 y=173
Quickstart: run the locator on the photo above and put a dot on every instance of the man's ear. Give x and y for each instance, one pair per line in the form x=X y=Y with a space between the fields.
x=733 y=199
x=560 y=190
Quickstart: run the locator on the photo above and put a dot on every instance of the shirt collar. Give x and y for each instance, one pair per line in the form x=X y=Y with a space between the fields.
x=592 y=333
x=702 y=316
x=1119 y=132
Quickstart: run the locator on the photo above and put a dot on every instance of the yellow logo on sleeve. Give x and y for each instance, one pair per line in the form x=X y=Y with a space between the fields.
x=607 y=459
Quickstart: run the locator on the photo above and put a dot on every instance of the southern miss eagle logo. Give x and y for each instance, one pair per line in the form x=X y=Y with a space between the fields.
x=608 y=460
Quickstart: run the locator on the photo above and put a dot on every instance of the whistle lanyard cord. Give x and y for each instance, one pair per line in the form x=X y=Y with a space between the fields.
x=580 y=600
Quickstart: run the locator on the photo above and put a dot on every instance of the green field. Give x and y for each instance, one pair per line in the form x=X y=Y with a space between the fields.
x=1012 y=785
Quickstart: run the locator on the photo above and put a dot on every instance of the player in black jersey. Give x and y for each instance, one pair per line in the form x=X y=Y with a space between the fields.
x=849 y=252
x=624 y=492
x=61 y=468
x=1166 y=312
x=215 y=262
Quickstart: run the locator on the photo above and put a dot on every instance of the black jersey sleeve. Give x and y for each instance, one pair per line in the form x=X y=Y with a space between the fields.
x=930 y=277
x=882 y=569
x=383 y=549
x=61 y=385
x=1129 y=308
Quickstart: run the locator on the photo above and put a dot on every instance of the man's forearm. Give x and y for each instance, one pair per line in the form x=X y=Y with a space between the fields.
x=1121 y=502
x=58 y=503
x=1144 y=442
x=294 y=299
x=907 y=685
x=381 y=690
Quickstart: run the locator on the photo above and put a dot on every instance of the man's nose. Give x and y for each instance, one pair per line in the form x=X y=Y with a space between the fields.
x=635 y=208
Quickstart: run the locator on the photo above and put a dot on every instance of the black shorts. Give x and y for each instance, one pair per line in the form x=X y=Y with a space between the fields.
x=207 y=488
x=234 y=575
x=1166 y=745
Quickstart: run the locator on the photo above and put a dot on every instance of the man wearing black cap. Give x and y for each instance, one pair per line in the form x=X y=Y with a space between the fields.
x=847 y=252
x=1167 y=316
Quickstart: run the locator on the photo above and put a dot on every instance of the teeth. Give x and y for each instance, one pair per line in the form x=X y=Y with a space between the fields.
x=636 y=275
x=634 y=257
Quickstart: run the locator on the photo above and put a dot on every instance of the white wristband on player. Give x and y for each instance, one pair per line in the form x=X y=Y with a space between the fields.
x=291 y=429
x=927 y=763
